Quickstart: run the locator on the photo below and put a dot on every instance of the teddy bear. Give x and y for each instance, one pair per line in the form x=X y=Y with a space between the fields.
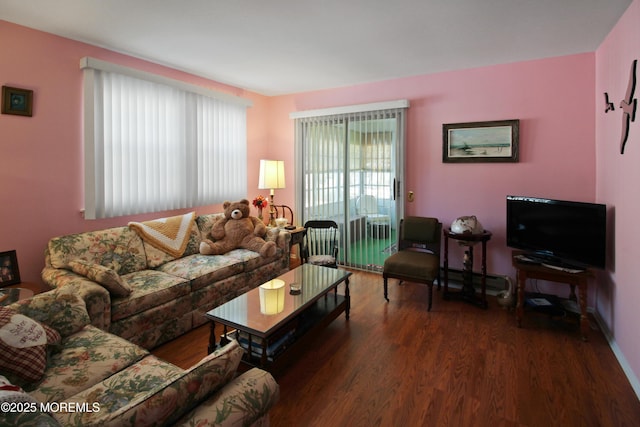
x=237 y=229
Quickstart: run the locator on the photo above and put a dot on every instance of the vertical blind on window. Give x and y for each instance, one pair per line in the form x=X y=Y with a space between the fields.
x=151 y=145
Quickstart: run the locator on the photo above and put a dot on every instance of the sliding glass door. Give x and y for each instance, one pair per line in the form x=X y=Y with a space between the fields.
x=350 y=166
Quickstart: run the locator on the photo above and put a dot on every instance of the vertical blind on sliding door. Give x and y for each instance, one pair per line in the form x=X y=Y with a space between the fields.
x=350 y=166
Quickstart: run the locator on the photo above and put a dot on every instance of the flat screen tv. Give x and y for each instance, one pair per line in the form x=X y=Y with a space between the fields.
x=559 y=232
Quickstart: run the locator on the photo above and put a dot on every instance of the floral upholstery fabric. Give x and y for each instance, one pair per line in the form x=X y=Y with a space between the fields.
x=133 y=388
x=202 y=270
x=96 y=298
x=120 y=249
x=241 y=404
x=156 y=393
x=102 y=275
x=11 y=393
x=163 y=302
x=169 y=320
x=252 y=260
x=85 y=359
x=149 y=288
x=120 y=391
x=65 y=312
x=205 y=223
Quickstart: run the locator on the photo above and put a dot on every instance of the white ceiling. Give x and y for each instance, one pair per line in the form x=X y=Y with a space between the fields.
x=286 y=46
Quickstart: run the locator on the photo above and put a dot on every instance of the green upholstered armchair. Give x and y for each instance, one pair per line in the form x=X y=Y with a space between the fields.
x=418 y=256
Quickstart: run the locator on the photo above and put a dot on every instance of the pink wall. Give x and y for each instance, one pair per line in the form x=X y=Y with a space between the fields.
x=554 y=100
x=617 y=186
x=42 y=168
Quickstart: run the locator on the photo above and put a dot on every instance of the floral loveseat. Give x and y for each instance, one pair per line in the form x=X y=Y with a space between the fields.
x=146 y=295
x=83 y=376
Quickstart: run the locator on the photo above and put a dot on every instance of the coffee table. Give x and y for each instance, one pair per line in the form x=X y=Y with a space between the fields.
x=273 y=339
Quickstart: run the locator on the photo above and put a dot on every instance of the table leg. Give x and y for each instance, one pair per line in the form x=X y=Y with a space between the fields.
x=584 y=320
x=347 y=298
x=484 y=273
x=520 y=306
x=263 y=359
x=446 y=265
x=467 y=272
x=212 y=337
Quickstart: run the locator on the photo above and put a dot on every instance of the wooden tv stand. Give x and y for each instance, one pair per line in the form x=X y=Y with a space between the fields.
x=526 y=270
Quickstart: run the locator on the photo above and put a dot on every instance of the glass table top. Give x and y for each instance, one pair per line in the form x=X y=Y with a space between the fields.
x=244 y=311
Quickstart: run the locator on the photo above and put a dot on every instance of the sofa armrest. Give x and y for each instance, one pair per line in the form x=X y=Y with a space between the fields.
x=242 y=401
x=61 y=309
x=96 y=297
x=283 y=241
x=154 y=392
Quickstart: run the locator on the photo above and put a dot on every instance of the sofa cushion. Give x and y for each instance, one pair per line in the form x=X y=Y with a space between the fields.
x=149 y=288
x=118 y=248
x=144 y=402
x=85 y=359
x=60 y=309
x=202 y=270
x=105 y=276
x=23 y=346
x=125 y=389
x=252 y=260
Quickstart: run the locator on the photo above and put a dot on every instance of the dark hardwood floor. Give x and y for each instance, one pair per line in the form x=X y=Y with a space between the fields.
x=396 y=364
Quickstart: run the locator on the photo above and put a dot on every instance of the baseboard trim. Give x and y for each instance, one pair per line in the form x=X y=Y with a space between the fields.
x=631 y=376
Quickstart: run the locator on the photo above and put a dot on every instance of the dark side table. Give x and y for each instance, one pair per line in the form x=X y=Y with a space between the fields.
x=468 y=292
x=579 y=279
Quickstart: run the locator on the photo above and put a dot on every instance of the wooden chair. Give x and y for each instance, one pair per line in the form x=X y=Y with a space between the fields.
x=418 y=256
x=284 y=211
x=321 y=243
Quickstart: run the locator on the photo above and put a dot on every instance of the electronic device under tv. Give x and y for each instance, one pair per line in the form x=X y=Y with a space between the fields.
x=558 y=232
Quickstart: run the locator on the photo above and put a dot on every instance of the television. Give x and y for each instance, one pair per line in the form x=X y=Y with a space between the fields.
x=558 y=232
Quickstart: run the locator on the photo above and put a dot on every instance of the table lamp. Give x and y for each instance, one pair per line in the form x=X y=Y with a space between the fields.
x=272 y=297
x=271 y=177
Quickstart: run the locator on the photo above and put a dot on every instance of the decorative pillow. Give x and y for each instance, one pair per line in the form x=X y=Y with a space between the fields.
x=101 y=274
x=23 y=345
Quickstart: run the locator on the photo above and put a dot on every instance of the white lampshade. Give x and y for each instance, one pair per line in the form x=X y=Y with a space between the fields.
x=272 y=297
x=271 y=174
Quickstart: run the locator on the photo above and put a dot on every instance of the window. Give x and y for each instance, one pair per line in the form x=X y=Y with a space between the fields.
x=154 y=144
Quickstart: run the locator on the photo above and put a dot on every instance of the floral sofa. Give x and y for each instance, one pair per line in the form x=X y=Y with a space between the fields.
x=146 y=295
x=80 y=375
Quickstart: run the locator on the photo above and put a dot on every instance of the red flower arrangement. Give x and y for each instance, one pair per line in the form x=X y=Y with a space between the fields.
x=260 y=202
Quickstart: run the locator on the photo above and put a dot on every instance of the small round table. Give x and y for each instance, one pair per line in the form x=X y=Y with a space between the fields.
x=468 y=292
